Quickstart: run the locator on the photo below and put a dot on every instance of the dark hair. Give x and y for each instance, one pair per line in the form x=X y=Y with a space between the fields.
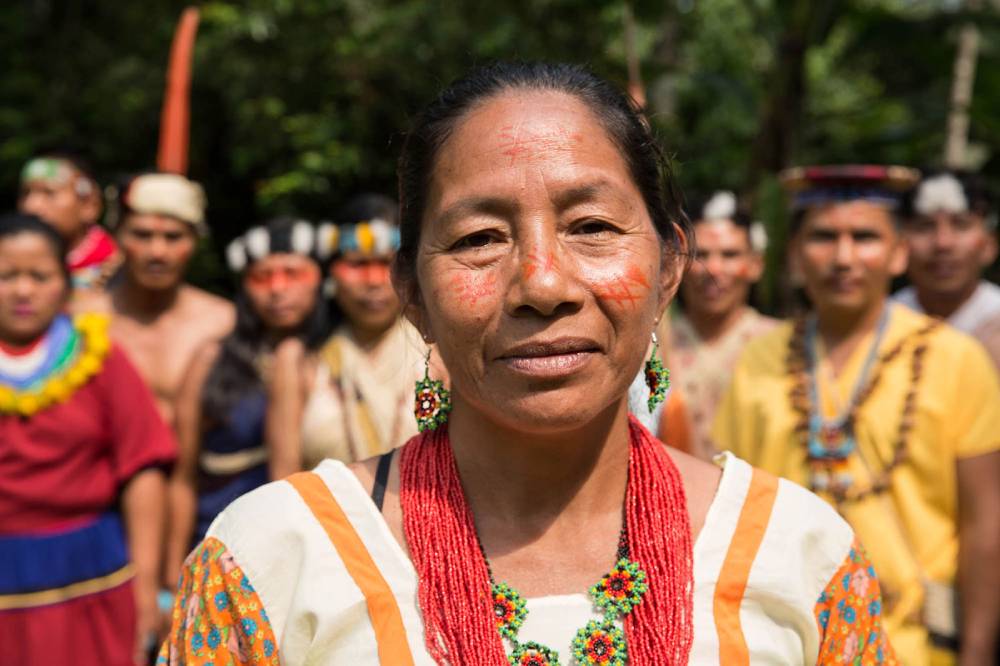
x=369 y=206
x=14 y=224
x=621 y=118
x=235 y=373
x=981 y=200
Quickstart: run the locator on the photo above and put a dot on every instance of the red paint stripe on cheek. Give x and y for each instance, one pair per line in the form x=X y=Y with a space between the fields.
x=470 y=288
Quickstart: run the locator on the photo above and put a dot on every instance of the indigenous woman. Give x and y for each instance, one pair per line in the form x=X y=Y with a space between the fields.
x=357 y=400
x=535 y=523
x=81 y=486
x=224 y=451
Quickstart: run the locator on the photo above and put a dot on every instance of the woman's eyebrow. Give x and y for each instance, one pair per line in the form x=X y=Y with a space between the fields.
x=503 y=207
x=583 y=193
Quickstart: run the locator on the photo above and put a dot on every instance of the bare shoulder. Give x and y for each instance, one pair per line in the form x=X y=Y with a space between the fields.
x=204 y=357
x=216 y=312
x=701 y=481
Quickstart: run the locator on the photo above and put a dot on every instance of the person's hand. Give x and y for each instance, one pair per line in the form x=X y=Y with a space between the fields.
x=147 y=621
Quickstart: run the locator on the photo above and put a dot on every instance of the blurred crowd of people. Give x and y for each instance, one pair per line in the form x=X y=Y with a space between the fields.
x=134 y=406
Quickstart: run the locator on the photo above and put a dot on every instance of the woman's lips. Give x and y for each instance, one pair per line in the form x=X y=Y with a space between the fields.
x=550 y=359
x=556 y=365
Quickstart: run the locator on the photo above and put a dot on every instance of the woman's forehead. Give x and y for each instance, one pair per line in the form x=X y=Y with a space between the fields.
x=523 y=136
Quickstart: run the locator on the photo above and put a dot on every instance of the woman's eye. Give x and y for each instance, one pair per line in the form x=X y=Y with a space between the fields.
x=473 y=241
x=590 y=227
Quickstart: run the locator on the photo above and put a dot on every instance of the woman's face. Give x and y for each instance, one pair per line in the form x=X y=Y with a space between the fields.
x=32 y=287
x=365 y=293
x=282 y=289
x=540 y=273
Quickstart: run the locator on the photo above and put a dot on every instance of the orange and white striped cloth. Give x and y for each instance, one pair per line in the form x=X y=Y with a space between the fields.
x=305 y=570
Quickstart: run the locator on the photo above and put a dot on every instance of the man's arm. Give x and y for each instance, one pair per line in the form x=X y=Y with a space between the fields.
x=979 y=554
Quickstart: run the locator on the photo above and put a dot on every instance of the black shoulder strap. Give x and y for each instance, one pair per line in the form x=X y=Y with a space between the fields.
x=381 y=479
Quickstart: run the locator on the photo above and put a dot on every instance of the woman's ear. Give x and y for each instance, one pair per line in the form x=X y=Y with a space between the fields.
x=673 y=264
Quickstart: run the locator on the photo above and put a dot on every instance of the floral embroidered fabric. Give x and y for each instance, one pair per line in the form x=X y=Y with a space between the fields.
x=849 y=615
x=218 y=618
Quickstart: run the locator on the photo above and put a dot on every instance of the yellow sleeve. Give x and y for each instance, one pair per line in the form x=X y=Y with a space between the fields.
x=217 y=617
x=974 y=426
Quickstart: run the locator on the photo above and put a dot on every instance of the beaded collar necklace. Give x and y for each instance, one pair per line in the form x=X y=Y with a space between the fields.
x=600 y=641
x=70 y=353
x=829 y=466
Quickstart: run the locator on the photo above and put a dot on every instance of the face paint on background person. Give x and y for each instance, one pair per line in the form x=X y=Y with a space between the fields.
x=282 y=289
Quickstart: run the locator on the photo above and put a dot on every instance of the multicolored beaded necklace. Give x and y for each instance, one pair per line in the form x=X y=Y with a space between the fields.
x=68 y=355
x=599 y=642
x=831 y=441
x=829 y=464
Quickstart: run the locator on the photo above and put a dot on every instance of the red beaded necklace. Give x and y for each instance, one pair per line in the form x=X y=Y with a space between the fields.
x=454 y=590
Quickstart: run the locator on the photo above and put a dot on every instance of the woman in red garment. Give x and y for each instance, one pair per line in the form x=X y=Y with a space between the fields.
x=82 y=492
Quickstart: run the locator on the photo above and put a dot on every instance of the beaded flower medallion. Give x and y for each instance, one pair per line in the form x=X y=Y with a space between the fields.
x=600 y=643
x=533 y=654
x=509 y=608
x=658 y=381
x=620 y=590
x=432 y=404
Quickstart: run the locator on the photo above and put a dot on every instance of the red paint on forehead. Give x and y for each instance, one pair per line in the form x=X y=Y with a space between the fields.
x=520 y=142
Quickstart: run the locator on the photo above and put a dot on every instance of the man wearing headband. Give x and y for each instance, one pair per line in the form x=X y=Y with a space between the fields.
x=950 y=227
x=60 y=188
x=715 y=323
x=887 y=414
x=160 y=320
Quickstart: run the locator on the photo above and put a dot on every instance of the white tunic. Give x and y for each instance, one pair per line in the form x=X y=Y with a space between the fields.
x=320 y=615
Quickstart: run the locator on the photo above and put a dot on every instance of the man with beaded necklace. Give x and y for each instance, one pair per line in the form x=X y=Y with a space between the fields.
x=891 y=417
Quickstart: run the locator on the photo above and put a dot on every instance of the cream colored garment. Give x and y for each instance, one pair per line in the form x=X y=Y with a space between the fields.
x=361 y=404
x=319 y=616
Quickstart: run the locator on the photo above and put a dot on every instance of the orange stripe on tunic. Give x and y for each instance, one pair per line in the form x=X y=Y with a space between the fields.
x=732 y=582
x=390 y=634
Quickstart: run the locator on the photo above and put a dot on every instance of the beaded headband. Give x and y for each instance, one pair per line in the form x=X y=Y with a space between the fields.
x=371 y=238
x=260 y=242
x=818 y=185
x=58 y=171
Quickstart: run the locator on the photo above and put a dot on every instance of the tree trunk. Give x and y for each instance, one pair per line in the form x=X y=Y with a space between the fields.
x=963 y=77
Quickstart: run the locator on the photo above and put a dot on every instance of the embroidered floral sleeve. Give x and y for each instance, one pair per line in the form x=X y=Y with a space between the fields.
x=217 y=618
x=849 y=615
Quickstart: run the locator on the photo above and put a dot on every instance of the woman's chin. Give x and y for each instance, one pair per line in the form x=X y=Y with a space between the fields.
x=545 y=412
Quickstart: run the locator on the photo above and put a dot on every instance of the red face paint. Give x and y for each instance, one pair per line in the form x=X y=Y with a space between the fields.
x=626 y=289
x=518 y=143
x=534 y=262
x=281 y=277
x=471 y=288
x=373 y=272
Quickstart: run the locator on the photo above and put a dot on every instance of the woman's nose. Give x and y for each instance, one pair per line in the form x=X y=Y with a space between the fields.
x=544 y=283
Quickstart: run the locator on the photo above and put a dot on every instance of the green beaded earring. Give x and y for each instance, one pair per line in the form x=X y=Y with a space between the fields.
x=657 y=377
x=432 y=400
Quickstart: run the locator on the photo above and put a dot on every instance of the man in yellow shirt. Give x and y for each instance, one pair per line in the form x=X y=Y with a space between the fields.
x=889 y=415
